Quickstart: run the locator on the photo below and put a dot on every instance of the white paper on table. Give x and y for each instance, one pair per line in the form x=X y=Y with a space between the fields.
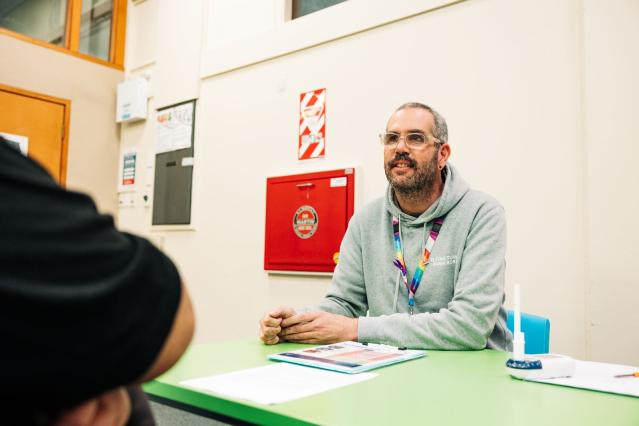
x=277 y=383
x=600 y=377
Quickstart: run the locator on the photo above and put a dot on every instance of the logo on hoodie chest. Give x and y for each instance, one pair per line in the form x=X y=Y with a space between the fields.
x=443 y=260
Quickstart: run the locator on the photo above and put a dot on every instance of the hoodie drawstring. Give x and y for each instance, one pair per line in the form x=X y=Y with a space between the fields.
x=399 y=277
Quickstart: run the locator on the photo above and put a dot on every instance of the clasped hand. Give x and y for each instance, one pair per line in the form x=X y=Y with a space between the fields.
x=284 y=324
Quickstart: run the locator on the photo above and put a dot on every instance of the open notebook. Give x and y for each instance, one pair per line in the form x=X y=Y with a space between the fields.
x=348 y=357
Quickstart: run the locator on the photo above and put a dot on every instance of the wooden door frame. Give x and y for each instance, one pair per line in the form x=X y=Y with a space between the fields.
x=71 y=43
x=65 y=125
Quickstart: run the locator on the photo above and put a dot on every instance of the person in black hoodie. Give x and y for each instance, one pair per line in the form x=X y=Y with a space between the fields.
x=86 y=312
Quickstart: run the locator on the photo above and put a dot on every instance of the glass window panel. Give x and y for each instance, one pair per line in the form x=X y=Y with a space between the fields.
x=304 y=7
x=41 y=19
x=95 y=28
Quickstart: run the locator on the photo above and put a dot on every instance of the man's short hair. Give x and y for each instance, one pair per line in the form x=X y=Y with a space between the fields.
x=440 y=129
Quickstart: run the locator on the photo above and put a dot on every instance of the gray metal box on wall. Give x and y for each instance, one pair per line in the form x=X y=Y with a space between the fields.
x=172 y=191
x=174 y=165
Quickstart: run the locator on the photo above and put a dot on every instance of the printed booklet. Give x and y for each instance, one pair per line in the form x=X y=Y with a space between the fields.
x=348 y=357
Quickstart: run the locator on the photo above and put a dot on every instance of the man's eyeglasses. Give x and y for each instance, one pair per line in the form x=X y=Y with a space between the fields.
x=412 y=140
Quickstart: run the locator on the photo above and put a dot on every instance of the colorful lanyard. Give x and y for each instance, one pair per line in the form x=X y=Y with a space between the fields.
x=423 y=260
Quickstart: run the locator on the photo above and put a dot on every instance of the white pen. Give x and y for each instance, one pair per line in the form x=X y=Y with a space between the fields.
x=383 y=346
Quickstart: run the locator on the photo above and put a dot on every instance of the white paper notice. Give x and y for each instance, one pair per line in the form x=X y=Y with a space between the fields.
x=18 y=141
x=174 y=128
x=338 y=181
x=277 y=383
x=600 y=377
x=128 y=169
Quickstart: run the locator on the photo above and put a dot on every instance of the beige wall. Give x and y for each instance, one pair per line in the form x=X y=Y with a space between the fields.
x=509 y=76
x=93 y=133
x=612 y=178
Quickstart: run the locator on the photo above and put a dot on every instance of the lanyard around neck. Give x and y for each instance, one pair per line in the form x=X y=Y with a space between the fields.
x=423 y=260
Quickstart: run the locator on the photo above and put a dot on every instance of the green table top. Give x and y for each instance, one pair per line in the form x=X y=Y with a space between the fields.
x=445 y=388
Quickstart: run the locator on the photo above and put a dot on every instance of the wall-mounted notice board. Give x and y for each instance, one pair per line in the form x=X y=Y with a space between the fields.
x=175 y=126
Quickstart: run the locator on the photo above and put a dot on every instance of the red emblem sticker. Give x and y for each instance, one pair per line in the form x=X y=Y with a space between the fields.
x=305 y=222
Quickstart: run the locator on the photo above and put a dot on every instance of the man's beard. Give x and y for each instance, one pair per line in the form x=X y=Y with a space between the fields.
x=417 y=185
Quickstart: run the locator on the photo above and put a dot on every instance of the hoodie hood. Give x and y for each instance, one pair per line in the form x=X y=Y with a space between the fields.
x=455 y=187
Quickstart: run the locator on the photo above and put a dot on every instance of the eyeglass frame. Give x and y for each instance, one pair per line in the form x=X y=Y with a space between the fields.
x=428 y=138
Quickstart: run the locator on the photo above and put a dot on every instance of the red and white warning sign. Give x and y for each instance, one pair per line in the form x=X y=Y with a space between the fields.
x=312 y=141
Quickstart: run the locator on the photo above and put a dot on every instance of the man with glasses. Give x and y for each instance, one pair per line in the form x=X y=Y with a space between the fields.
x=421 y=267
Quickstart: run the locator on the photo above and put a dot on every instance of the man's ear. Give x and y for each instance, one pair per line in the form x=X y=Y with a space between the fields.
x=443 y=155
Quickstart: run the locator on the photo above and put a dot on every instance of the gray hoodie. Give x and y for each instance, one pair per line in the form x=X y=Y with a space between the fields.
x=459 y=304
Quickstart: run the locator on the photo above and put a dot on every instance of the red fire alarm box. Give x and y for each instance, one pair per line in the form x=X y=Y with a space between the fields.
x=306 y=218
